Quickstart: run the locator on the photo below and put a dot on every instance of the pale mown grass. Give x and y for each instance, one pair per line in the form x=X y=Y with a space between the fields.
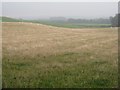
x=44 y=56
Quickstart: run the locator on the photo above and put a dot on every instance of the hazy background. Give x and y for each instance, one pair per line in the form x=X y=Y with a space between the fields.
x=44 y=10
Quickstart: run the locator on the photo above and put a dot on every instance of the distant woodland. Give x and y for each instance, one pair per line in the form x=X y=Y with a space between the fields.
x=113 y=21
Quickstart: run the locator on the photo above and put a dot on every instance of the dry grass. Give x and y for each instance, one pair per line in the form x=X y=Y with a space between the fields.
x=57 y=57
x=48 y=40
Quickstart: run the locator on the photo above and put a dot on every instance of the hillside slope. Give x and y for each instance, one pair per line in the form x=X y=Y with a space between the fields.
x=59 y=24
x=36 y=56
x=9 y=19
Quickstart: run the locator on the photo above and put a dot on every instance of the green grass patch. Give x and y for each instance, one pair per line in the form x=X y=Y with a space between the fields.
x=63 y=70
x=72 y=25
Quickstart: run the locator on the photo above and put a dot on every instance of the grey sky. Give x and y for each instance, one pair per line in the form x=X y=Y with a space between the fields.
x=65 y=9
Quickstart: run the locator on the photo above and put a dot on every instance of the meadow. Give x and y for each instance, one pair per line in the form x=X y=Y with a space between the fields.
x=62 y=23
x=67 y=24
x=40 y=56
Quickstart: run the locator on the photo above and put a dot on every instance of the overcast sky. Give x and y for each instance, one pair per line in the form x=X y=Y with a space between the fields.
x=64 y=9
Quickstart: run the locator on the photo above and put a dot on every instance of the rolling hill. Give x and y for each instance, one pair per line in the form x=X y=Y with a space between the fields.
x=40 y=56
x=9 y=19
x=65 y=24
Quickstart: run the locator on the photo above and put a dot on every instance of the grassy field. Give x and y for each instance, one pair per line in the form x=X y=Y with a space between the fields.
x=65 y=24
x=36 y=55
x=8 y=19
x=70 y=24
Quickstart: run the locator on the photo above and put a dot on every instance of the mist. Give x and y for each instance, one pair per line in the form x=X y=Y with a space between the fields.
x=45 y=10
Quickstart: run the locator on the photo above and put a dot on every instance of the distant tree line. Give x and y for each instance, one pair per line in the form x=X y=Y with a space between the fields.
x=81 y=21
x=112 y=21
x=115 y=21
x=90 y=21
